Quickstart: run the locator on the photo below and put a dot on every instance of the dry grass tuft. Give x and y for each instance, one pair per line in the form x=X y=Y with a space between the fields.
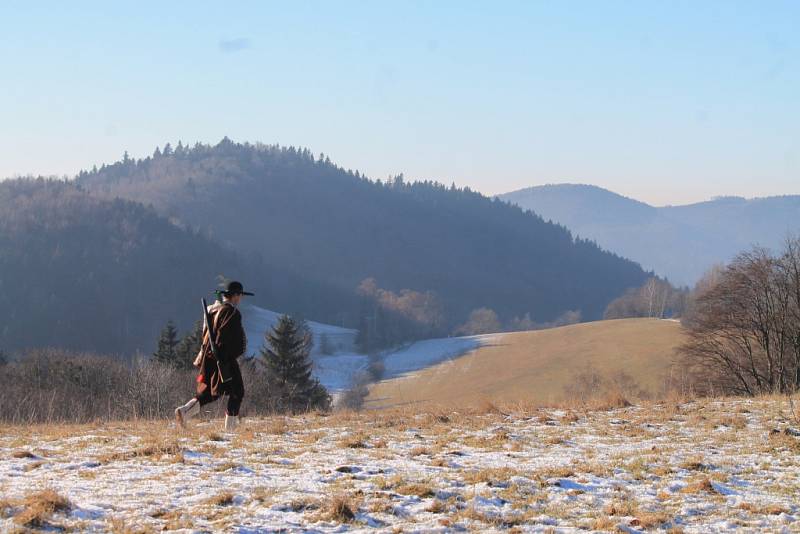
x=354 y=441
x=437 y=507
x=738 y=422
x=700 y=485
x=417 y=489
x=694 y=465
x=419 y=451
x=222 y=499
x=153 y=447
x=33 y=465
x=40 y=506
x=277 y=426
x=492 y=476
x=226 y=466
x=770 y=509
x=625 y=508
x=487 y=407
x=603 y=523
x=783 y=441
x=611 y=400
x=339 y=509
x=650 y=520
x=215 y=436
x=570 y=417
x=120 y=526
x=555 y=472
x=6 y=507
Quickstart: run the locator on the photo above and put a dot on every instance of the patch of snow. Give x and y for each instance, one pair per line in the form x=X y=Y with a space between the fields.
x=426 y=353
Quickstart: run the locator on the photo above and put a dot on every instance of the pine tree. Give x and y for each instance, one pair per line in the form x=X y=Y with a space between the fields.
x=167 y=344
x=189 y=346
x=287 y=360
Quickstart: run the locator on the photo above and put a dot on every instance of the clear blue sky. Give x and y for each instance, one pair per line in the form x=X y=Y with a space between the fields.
x=667 y=102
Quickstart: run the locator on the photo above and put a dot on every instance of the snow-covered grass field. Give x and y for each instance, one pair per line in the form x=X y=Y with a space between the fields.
x=700 y=466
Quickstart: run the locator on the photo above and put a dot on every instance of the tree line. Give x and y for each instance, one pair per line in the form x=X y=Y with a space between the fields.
x=656 y=298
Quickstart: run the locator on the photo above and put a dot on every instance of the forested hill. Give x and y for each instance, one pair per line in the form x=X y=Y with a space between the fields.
x=80 y=272
x=305 y=215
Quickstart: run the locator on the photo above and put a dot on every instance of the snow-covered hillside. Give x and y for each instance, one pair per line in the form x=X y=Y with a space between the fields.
x=327 y=338
x=697 y=467
x=337 y=369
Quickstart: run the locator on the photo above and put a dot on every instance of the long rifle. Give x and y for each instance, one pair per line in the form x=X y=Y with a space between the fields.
x=224 y=372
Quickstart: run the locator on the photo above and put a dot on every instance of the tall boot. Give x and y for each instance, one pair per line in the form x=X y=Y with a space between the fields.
x=186 y=412
x=231 y=422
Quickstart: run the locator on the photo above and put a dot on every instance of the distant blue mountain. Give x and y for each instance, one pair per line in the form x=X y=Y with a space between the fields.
x=679 y=242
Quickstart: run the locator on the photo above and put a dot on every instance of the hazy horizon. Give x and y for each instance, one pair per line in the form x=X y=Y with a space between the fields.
x=664 y=103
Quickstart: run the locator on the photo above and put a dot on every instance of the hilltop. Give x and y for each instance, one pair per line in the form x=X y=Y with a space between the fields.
x=679 y=242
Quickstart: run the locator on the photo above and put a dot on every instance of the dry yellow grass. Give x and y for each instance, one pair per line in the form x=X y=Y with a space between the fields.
x=39 y=506
x=537 y=366
x=673 y=465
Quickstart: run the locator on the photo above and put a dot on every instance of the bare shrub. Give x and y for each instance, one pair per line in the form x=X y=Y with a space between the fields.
x=57 y=386
x=49 y=385
x=354 y=397
x=585 y=384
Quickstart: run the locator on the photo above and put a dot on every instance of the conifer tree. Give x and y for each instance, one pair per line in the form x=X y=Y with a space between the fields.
x=167 y=345
x=189 y=346
x=286 y=358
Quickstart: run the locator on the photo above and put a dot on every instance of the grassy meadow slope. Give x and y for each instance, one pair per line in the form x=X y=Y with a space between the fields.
x=538 y=366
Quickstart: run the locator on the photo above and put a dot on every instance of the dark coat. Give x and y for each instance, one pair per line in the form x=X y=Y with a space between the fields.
x=226 y=321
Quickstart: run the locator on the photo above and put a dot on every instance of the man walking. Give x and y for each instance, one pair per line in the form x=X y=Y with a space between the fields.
x=220 y=376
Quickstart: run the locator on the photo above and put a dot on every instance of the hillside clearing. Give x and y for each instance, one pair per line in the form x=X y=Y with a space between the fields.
x=690 y=467
x=538 y=366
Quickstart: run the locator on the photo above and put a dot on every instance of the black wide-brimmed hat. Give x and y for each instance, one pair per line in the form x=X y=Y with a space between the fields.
x=235 y=288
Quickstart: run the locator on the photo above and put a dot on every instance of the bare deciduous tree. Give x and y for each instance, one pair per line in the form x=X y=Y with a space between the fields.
x=744 y=325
